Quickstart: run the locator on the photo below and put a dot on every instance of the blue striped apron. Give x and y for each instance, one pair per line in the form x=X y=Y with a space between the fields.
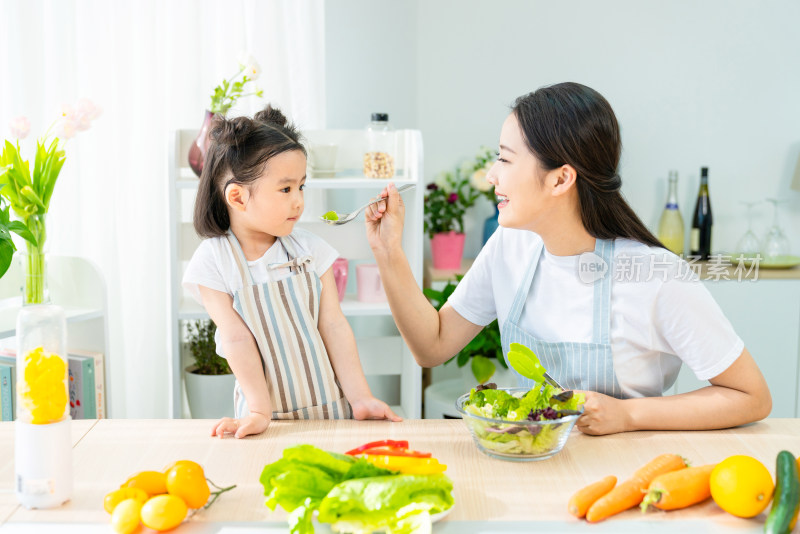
x=283 y=316
x=585 y=366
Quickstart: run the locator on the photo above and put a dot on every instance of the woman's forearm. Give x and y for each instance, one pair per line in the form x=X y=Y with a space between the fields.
x=709 y=408
x=245 y=362
x=417 y=320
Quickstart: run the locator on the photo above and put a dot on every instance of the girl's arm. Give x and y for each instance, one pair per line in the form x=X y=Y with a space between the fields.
x=432 y=336
x=737 y=396
x=241 y=351
x=341 y=346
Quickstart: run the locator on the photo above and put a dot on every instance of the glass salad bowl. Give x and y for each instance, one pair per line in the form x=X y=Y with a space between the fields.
x=523 y=440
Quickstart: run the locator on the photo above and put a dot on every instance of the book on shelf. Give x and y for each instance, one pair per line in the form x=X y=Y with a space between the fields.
x=82 y=399
x=7 y=382
x=99 y=379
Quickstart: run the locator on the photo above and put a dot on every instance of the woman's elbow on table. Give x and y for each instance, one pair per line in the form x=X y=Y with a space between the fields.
x=744 y=376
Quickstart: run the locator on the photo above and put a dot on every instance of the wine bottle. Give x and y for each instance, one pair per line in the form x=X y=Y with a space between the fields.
x=700 y=239
x=670 y=227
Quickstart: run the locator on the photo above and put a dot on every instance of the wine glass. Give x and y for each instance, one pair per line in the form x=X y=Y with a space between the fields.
x=776 y=243
x=749 y=245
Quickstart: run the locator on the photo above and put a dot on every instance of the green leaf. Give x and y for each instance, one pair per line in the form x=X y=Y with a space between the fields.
x=482 y=368
x=21 y=230
x=7 y=249
x=525 y=366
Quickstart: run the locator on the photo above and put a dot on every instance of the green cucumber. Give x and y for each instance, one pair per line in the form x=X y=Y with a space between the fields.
x=787 y=495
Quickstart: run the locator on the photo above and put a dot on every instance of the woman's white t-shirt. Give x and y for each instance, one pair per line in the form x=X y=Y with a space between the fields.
x=214 y=266
x=661 y=314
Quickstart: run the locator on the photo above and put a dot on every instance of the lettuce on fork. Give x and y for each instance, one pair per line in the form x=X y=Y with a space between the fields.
x=351 y=493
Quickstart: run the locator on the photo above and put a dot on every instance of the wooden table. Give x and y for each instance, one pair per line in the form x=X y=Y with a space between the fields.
x=490 y=495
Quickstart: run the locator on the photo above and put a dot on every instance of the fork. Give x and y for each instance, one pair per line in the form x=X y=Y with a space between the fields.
x=344 y=218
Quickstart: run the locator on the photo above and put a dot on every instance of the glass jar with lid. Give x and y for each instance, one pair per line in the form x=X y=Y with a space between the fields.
x=379 y=159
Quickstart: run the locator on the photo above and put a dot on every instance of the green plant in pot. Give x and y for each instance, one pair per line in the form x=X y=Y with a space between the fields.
x=485 y=348
x=209 y=380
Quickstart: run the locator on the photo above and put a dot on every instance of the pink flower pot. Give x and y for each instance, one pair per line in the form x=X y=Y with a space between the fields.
x=447 y=250
x=340 y=267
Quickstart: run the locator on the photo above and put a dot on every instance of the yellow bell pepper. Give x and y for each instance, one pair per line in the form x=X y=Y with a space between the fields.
x=406 y=464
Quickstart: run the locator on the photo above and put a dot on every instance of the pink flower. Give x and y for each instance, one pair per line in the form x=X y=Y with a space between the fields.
x=67 y=128
x=452 y=198
x=20 y=127
x=85 y=112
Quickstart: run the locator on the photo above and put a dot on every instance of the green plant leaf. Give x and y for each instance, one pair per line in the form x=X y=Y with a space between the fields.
x=7 y=249
x=21 y=230
x=482 y=368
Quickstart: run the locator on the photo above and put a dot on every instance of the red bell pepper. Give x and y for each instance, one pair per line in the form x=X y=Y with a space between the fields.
x=403 y=444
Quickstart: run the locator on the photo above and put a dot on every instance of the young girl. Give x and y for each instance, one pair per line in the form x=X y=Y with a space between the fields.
x=268 y=286
x=574 y=274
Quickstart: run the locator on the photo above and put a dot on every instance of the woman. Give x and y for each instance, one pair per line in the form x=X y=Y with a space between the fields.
x=574 y=274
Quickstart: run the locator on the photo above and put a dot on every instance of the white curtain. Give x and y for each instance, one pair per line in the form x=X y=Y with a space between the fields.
x=151 y=65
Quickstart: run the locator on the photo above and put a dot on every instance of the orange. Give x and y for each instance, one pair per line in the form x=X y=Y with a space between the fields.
x=188 y=482
x=152 y=482
x=741 y=485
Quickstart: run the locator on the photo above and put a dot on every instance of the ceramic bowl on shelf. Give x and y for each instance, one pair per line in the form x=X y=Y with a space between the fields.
x=516 y=440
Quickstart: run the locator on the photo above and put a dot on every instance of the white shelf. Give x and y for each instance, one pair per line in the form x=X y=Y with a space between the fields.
x=353 y=308
x=190 y=310
x=8 y=318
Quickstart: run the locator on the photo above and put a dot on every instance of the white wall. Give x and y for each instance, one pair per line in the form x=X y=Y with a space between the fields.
x=712 y=83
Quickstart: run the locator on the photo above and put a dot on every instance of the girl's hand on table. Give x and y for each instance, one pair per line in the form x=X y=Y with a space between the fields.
x=255 y=423
x=372 y=408
x=602 y=415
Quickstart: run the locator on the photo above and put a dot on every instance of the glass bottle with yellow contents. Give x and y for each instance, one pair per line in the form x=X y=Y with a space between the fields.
x=43 y=459
x=670 y=227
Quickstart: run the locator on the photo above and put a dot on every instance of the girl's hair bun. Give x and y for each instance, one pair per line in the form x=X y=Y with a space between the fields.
x=228 y=132
x=271 y=115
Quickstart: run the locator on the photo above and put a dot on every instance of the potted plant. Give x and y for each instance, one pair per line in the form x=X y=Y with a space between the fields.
x=484 y=353
x=209 y=380
x=223 y=98
x=446 y=201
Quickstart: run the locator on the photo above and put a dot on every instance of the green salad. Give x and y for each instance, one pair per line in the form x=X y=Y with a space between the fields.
x=351 y=494
x=546 y=404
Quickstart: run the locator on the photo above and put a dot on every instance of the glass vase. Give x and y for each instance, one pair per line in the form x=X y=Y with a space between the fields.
x=34 y=264
x=197 y=152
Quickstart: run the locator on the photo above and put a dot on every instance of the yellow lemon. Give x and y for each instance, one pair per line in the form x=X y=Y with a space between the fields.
x=163 y=512
x=741 y=485
x=125 y=517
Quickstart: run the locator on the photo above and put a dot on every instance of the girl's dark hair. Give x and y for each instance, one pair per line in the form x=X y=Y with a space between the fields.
x=569 y=123
x=239 y=150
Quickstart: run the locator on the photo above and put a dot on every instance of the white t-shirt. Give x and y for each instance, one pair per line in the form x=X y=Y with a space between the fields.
x=661 y=314
x=214 y=266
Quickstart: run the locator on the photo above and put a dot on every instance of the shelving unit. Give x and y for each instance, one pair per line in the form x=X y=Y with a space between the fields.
x=79 y=288
x=391 y=371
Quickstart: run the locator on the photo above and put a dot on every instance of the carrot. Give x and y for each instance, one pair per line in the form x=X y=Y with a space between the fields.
x=585 y=497
x=631 y=492
x=679 y=489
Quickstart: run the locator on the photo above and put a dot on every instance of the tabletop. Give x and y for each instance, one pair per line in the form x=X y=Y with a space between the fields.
x=490 y=495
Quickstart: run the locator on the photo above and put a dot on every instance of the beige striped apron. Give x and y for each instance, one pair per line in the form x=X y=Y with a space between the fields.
x=283 y=317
